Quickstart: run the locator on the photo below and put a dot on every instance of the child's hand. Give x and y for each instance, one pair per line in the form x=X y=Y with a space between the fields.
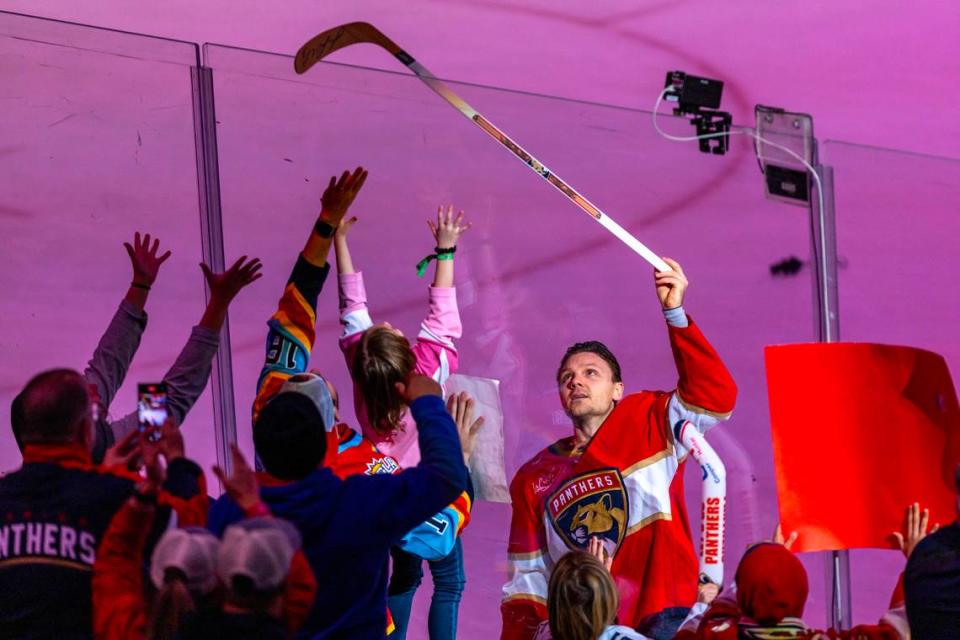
x=447 y=229
x=344 y=228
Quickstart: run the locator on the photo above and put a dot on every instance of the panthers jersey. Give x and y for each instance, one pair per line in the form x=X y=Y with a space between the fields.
x=289 y=343
x=436 y=536
x=625 y=487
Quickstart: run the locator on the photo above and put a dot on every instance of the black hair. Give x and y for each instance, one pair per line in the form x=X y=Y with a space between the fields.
x=290 y=436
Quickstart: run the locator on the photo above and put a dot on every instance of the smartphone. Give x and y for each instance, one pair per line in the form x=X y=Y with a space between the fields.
x=151 y=409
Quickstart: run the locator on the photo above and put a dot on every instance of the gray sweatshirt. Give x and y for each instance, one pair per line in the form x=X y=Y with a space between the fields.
x=108 y=367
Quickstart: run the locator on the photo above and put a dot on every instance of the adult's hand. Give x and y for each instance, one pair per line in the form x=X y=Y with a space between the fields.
x=154 y=471
x=671 y=285
x=707 y=592
x=170 y=443
x=144 y=259
x=126 y=453
x=242 y=485
x=914 y=530
x=339 y=195
x=417 y=387
x=224 y=286
x=461 y=406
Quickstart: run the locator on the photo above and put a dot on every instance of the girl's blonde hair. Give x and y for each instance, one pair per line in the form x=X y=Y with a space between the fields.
x=383 y=359
x=582 y=599
x=170 y=604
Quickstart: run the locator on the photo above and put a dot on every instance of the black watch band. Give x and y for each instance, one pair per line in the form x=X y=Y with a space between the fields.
x=324 y=229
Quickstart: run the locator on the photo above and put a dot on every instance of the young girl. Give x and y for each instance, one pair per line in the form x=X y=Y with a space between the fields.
x=381 y=360
x=582 y=600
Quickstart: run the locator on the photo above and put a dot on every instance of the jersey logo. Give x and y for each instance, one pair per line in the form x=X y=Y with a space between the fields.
x=593 y=504
x=381 y=465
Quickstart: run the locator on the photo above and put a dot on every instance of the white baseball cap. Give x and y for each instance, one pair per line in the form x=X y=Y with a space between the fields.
x=193 y=551
x=259 y=549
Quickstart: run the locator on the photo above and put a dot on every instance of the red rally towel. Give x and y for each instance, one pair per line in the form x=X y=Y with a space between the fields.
x=860 y=431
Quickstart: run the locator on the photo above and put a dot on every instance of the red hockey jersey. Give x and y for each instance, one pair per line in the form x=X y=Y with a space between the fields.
x=625 y=487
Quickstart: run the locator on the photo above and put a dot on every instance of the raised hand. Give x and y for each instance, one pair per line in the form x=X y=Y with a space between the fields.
x=224 y=286
x=914 y=528
x=461 y=406
x=170 y=442
x=154 y=472
x=339 y=195
x=143 y=256
x=596 y=549
x=447 y=229
x=779 y=539
x=242 y=485
x=671 y=285
x=344 y=227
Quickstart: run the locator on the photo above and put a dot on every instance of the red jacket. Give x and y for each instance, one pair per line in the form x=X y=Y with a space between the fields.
x=119 y=610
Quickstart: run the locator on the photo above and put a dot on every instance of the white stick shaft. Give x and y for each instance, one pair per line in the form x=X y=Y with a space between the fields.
x=538 y=167
x=713 y=501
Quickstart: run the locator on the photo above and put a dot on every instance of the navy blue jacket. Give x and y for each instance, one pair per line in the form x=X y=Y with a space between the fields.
x=54 y=511
x=931 y=585
x=348 y=526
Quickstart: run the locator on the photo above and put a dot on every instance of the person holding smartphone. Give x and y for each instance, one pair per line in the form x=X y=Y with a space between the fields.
x=188 y=376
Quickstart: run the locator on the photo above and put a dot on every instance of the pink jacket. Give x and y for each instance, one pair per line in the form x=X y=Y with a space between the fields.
x=436 y=355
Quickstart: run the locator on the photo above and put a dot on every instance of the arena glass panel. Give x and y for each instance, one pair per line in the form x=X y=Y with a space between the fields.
x=98 y=142
x=534 y=274
x=897 y=231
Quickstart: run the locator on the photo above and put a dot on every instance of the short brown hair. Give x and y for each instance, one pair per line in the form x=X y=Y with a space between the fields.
x=383 y=359
x=596 y=347
x=582 y=599
x=52 y=408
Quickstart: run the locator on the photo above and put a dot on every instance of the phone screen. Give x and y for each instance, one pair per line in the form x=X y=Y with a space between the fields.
x=151 y=409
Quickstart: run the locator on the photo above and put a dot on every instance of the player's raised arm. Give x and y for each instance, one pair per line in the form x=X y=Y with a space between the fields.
x=706 y=393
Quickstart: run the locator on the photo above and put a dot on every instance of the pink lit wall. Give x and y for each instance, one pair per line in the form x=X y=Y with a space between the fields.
x=881 y=73
x=95 y=147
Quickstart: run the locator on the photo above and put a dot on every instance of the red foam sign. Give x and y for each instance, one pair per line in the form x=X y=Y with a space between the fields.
x=859 y=432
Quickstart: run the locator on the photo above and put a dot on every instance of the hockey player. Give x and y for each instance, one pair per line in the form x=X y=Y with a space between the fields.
x=619 y=477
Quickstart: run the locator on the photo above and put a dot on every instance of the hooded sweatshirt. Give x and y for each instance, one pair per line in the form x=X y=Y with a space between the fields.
x=348 y=526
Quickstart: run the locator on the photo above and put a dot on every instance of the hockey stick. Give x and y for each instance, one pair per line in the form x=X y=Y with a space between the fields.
x=356 y=32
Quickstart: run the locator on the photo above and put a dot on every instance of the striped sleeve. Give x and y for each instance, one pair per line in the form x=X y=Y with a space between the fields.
x=436 y=536
x=524 y=604
x=291 y=331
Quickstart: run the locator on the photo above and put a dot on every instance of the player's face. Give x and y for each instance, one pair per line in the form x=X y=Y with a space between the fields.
x=587 y=388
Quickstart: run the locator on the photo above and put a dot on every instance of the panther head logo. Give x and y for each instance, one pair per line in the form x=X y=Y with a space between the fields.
x=597 y=517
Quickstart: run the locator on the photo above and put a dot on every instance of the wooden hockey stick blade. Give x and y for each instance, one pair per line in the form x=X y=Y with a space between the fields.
x=345 y=35
x=320 y=46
